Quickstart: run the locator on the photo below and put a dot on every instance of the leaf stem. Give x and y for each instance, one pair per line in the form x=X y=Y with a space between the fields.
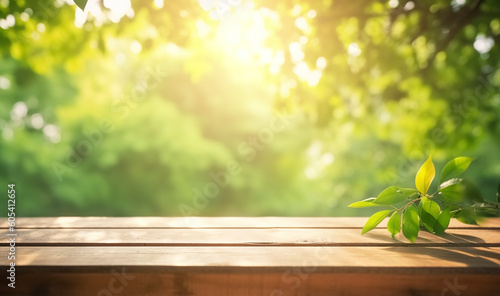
x=408 y=204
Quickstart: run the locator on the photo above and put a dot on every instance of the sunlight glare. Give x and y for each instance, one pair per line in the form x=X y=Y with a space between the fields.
x=296 y=52
x=296 y=9
x=19 y=110
x=203 y=28
x=302 y=71
x=117 y=10
x=321 y=63
x=135 y=47
x=314 y=77
x=4 y=82
x=266 y=56
x=302 y=24
x=37 y=121
x=353 y=50
x=393 y=3
x=483 y=44
x=243 y=33
x=159 y=3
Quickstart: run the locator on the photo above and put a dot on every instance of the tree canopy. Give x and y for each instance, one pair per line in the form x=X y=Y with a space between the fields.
x=241 y=107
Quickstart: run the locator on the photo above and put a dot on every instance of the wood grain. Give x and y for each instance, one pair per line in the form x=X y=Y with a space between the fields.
x=247 y=256
x=283 y=283
x=213 y=222
x=335 y=259
x=247 y=237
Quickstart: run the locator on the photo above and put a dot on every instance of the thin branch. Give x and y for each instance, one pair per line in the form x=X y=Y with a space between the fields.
x=463 y=19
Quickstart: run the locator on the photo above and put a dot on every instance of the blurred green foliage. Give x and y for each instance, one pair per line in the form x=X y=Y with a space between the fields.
x=241 y=108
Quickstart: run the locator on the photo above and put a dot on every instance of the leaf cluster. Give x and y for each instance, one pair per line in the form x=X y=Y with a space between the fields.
x=455 y=197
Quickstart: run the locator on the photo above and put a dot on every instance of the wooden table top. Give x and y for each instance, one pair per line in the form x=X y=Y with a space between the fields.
x=230 y=246
x=247 y=242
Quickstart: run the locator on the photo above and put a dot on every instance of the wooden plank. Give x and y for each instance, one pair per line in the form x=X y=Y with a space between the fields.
x=213 y=222
x=247 y=237
x=297 y=282
x=247 y=256
x=212 y=259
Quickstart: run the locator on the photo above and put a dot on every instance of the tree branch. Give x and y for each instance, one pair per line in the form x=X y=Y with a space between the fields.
x=465 y=15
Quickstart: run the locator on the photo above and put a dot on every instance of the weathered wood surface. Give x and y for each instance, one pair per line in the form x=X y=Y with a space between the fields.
x=212 y=222
x=337 y=259
x=247 y=237
x=247 y=256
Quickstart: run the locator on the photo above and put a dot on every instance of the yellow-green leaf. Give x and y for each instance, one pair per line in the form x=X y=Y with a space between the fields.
x=365 y=203
x=425 y=176
x=393 y=195
x=375 y=220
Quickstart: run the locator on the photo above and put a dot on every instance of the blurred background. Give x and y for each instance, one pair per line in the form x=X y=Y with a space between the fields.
x=241 y=108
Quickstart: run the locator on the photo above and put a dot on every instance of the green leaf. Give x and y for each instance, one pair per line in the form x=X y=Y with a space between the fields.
x=375 y=220
x=81 y=3
x=443 y=221
x=410 y=224
x=455 y=167
x=498 y=193
x=428 y=210
x=394 y=224
x=457 y=190
x=472 y=192
x=393 y=194
x=466 y=216
x=365 y=203
x=425 y=176
x=452 y=191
